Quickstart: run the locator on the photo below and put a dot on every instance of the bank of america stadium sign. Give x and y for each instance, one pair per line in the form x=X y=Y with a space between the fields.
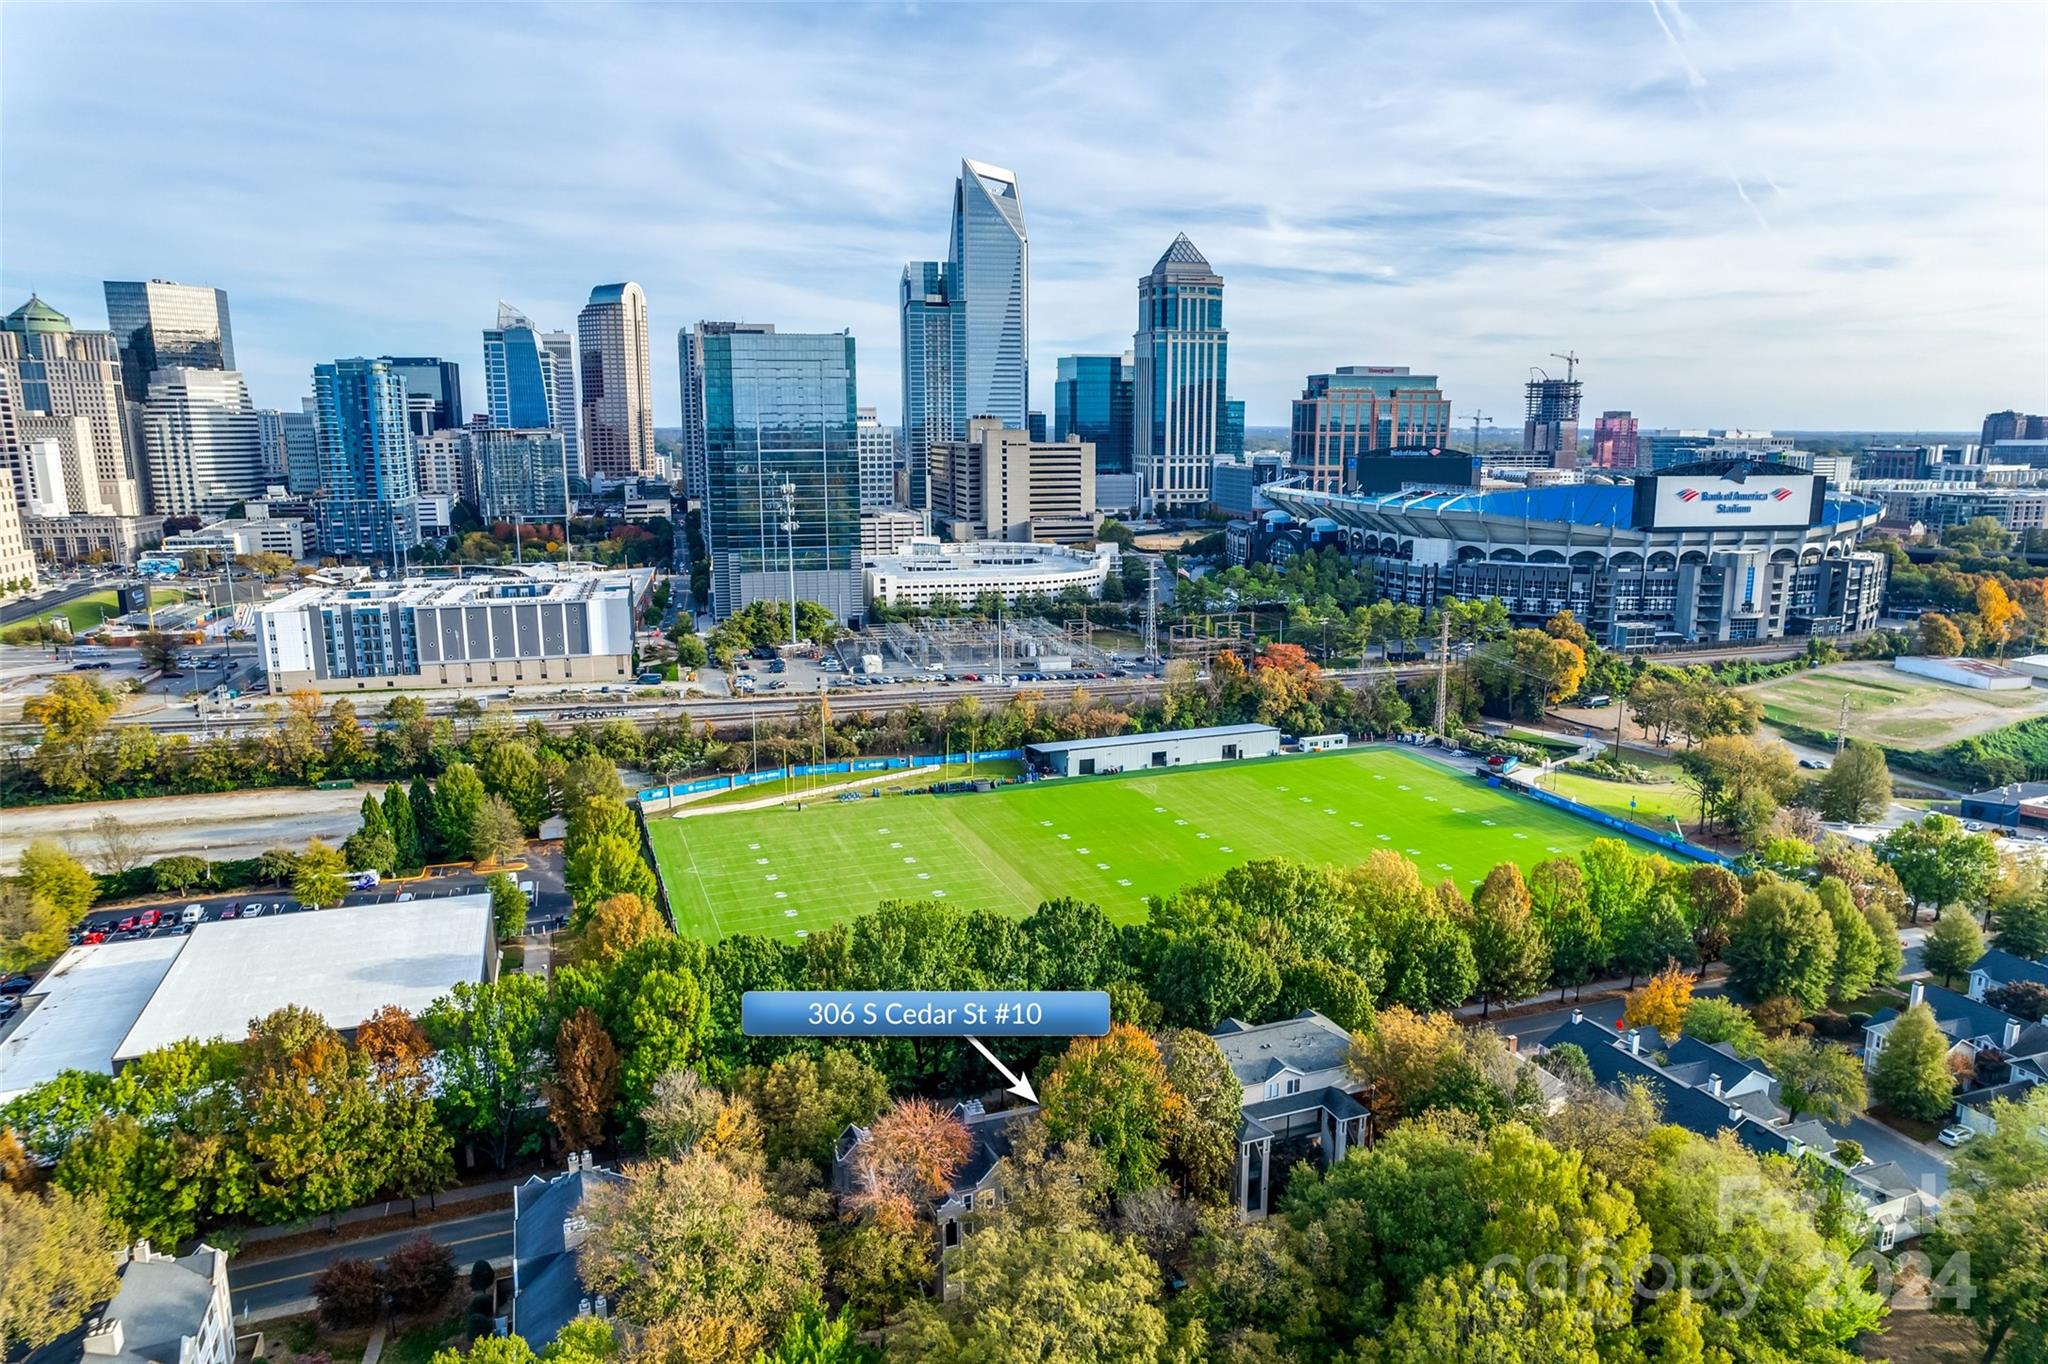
x=1695 y=495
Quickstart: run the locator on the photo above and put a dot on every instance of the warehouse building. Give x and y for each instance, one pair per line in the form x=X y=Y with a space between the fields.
x=930 y=570
x=1174 y=748
x=517 y=630
x=1731 y=550
x=104 y=1004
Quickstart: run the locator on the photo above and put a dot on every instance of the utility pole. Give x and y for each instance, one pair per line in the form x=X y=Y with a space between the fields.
x=1477 y=417
x=1443 y=667
x=789 y=528
x=1151 y=609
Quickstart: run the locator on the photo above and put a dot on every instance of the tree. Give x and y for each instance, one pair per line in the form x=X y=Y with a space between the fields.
x=1474 y=1316
x=2022 y=928
x=1911 y=1076
x=58 y=879
x=391 y=1041
x=426 y=818
x=420 y=1274
x=1997 y=1216
x=497 y=835
x=1113 y=1091
x=371 y=845
x=121 y=849
x=1817 y=1079
x=492 y=1055
x=1204 y=978
x=1940 y=862
x=486 y=1348
x=1997 y=614
x=1412 y=1064
x=1060 y=1297
x=1661 y=1003
x=56 y=1265
x=2026 y=999
x=1857 y=788
x=1953 y=944
x=806 y=1101
x=276 y=866
x=350 y=1292
x=178 y=873
x=1939 y=637
x=508 y=905
x=1508 y=950
x=32 y=930
x=1202 y=1142
x=1784 y=945
x=320 y=877
x=811 y=1337
x=458 y=806
x=692 y=1244
x=614 y=927
x=510 y=770
x=408 y=851
x=610 y=866
x=909 y=1158
x=585 y=1084
x=73 y=712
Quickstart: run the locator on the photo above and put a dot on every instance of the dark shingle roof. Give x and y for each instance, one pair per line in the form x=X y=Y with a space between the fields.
x=549 y=1289
x=1305 y=1043
x=2004 y=967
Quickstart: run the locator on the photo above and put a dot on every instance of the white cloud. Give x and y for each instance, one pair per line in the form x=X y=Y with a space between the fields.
x=1459 y=188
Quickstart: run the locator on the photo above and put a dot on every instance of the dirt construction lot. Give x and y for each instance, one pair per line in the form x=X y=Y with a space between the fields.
x=1892 y=707
x=233 y=824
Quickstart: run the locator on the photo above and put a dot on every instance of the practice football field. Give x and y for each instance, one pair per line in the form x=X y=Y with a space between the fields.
x=1112 y=840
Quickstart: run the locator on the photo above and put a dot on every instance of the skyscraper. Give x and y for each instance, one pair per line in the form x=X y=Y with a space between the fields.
x=163 y=325
x=302 y=450
x=530 y=377
x=438 y=382
x=1091 y=401
x=369 y=503
x=2011 y=425
x=618 y=397
x=875 y=444
x=1550 y=426
x=1230 y=441
x=989 y=274
x=1614 y=440
x=520 y=472
x=270 y=440
x=1362 y=410
x=1182 y=354
x=46 y=367
x=199 y=431
x=779 y=410
x=928 y=414
x=691 y=374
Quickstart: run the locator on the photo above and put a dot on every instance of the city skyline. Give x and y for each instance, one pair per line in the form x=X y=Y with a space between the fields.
x=1738 y=217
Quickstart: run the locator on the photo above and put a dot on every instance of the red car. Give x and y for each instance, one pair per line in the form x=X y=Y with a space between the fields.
x=92 y=937
x=150 y=918
x=230 y=912
x=126 y=925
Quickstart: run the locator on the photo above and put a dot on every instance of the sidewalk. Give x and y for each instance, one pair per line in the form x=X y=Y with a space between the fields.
x=1593 y=990
x=371 y=1212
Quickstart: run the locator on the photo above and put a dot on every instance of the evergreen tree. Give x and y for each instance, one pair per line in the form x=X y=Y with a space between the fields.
x=421 y=799
x=405 y=831
x=371 y=846
x=458 y=803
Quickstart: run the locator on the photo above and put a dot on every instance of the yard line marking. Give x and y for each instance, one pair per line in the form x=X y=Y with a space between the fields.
x=773 y=877
x=789 y=914
x=1104 y=866
x=1413 y=852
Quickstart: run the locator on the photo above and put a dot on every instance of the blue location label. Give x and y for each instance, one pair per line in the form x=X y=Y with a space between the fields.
x=924 y=1013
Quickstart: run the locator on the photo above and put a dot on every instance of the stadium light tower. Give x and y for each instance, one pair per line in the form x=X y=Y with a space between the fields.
x=789 y=529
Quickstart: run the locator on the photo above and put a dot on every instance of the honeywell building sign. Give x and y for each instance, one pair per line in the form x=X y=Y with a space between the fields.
x=1680 y=501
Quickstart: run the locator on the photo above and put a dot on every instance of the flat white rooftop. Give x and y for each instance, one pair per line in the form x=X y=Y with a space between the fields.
x=343 y=964
x=83 y=1007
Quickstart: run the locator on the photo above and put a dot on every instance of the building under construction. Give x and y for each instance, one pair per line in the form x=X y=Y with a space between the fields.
x=1550 y=423
x=963 y=644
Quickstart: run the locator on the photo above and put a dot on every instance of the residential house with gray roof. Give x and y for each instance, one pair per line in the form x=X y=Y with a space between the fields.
x=548 y=1228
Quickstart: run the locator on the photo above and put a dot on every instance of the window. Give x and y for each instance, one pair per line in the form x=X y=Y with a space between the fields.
x=1294 y=1085
x=1272 y=1089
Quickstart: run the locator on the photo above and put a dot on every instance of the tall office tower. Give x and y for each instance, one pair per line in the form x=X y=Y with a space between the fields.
x=779 y=411
x=302 y=450
x=691 y=372
x=446 y=463
x=520 y=472
x=989 y=278
x=270 y=440
x=17 y=560
x=999 y=484
x=530 y=377
x=199 y=430
x=1091 y=401
x=618 y=399
x=1034 y=424
x=567 y=410
x=1360 y=410
x=1230 y=440
x=434 y=386
x=46 y=367
x=1614 y=440
x=876 y=446
x=369 y=478
x=1183 y=353
x=162 y=325
x=2011 y=425
x=1550 y=424
x=928 y=413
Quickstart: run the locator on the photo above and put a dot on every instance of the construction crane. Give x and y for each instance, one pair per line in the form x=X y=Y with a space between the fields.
x=1477 y=417
x=1571 y=360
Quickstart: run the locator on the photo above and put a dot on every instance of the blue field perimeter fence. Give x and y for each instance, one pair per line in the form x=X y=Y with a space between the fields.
x=852 y=766
x=1614 y=822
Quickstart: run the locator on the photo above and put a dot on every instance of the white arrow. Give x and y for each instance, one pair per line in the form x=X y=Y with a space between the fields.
x=1019 y=1084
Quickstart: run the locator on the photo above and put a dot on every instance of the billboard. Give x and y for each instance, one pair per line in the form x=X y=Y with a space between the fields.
x=1677 y=501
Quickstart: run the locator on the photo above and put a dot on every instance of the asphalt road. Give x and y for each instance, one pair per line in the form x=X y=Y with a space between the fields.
x=259 y=1284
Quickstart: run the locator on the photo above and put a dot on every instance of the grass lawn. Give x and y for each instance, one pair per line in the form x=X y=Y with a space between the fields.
x=825 y=786
x=87 y=611
x=1654 y=801
x=1113 y=840
x=1891 y=707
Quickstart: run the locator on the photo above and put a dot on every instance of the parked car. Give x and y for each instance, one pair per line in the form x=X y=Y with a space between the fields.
x=252 y=911
x=126 y=925
x=1956 y=1135
x=231 y=912
x=16 y=985
x=1813 y=764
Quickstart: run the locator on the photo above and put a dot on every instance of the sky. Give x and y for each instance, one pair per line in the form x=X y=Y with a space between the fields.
x=1803 y=217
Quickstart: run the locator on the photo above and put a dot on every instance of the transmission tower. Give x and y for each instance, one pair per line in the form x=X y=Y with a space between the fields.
x=1443 y=669
x=1151 y=609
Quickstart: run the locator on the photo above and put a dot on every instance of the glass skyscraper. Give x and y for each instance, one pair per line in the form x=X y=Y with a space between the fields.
x=617 y=412
x=437 y=381
x=967 y=321
x=1361 y=410
x=779 y=409
x=1091 y=400
x=369 y=480
x=1230 y=441
x=520 y=472
x=1182 y=352
x=162 y=325
x=530 y=377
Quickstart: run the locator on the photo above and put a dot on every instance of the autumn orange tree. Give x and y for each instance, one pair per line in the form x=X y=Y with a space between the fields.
x=1113 y=1091
x=1997 y=613
x=909 y=1158
x=586 y=1080
x=1661 y=1002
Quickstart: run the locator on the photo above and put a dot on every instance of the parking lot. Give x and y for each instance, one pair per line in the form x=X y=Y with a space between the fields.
x=766 y=674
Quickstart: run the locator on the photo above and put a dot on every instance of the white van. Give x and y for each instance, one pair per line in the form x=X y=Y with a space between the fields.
x=193 y=914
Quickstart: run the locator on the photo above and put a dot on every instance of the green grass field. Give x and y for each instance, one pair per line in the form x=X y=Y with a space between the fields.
x=825 y=787
x=1112 y=840
x=85 y=612
x=1892 y=707
x=1654 y=801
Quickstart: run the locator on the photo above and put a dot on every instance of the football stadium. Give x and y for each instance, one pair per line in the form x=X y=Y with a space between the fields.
x=1112 y=840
